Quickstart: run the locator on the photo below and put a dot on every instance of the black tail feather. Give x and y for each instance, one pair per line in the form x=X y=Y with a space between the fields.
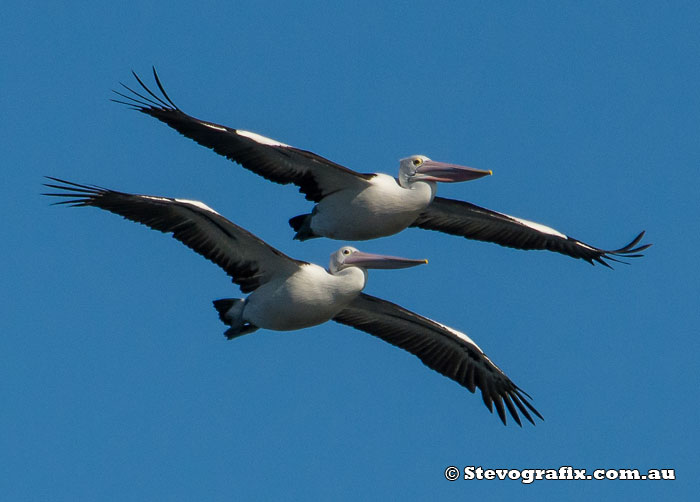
x=222 y=306
x=238 y=326
x=302 y=226
x=297 y=222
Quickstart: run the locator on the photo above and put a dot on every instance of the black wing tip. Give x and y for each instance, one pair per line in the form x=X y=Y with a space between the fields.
x=500 y=409
x=633 y=247
x=79 y=195
x=631 y=250
x=530 y=407
x=146 y=103
x=522 y=401
x=162 y=89
x=493 y=399
x=512 y=410
x=67 y=184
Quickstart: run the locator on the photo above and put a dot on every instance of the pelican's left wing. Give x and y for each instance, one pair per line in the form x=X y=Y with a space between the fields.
x=315 y=176
x=441 y=348
x=473 y=222
x=247 y=259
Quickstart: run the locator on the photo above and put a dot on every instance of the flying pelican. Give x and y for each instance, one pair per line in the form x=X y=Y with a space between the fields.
x=287 y=294
x=356 y=206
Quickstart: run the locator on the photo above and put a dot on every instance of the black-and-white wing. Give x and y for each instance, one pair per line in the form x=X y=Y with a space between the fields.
x=443 y=349
x=315 y=176
x=473 y=222
x=248 y=260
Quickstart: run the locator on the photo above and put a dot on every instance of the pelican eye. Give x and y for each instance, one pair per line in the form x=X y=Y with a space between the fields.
x=417 y=162
x=346 y=251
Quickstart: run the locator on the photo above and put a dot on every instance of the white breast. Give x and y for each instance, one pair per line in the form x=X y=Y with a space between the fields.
x=309 y=297
x=383 y=208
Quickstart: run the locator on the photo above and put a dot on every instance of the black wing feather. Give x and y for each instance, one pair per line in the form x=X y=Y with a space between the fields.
x=315 y=176
x=248 y=260
x=440 y=349
x=473 y=222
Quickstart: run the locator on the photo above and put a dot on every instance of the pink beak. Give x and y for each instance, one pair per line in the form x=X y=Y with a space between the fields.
x=369 y=260
x=449 y=173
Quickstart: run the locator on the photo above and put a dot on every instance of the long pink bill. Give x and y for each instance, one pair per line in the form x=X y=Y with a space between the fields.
x=449 y=173
x=369 y=260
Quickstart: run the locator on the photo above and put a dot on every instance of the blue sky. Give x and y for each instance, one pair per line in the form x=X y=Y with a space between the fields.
x=117 y=382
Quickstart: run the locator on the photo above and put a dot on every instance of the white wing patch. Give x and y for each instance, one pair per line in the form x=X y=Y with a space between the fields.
x=465 y=338
x=260 y=139
x=196 y=203
x=540 y=228
x=212 y=126
x=459 y=335
x=152 y=197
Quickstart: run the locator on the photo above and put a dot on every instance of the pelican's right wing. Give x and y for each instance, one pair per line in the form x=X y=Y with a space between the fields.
x=441 y=348
x=247 y=259
x=315 y=176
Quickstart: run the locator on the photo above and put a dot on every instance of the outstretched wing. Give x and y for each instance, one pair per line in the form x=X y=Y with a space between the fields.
x=443 y=349
x=315 y=176
x=248 y=260
x=473 y=222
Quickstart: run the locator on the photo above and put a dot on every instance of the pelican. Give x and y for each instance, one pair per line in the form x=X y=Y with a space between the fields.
x=287 y=294
x=354 y=206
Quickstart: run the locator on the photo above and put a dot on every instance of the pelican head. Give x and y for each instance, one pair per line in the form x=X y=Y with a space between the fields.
x=348 y=256
x=421 y=168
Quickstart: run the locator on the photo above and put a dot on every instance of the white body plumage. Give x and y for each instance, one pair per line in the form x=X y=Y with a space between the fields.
x=383 y=208
x=308 y=297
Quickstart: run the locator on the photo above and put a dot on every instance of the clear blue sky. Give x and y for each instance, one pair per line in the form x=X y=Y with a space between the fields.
x=116 y=381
